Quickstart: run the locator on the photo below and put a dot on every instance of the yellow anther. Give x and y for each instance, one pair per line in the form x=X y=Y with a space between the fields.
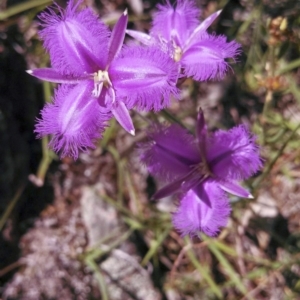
x=102 y=76
x=177 y=53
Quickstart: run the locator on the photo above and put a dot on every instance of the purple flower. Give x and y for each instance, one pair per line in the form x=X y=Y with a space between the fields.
x=99 y=78
x=179 y=32
x=201 y=169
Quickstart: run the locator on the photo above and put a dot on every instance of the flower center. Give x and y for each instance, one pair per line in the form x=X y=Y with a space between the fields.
x=101 y=78
x=204 y=169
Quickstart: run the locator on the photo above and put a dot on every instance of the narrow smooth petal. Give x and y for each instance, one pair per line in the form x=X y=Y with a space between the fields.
x=52 y=75
x=74 y=120
x=175 y=23
x=76 y=40
x=233 y=154
x=117 y=38
x=169 y=153
x=122 y=115
x=204 y=208
x=201 y=132
x=141 y=37
x=145 y=76
x=201 y=28
x=206 y=59
x=234 y=189
x=173 y=187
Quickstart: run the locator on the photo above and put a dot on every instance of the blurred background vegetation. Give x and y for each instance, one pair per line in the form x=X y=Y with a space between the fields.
x=86 y=229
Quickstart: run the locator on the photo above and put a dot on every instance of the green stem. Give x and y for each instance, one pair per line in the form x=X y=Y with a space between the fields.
x=11 y=206
x=19 y=8
x=99 y=276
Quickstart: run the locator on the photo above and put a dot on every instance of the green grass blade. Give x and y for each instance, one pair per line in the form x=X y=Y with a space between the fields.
x=155 y=245
x=21 y=7
x=290 y=66
x=227 y=267
x=100 y=278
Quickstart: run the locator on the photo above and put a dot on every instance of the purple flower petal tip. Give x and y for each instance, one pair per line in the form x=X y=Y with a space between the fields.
x=52 y=75
x=140 y=36
x=235 y=189
x=117 y=38
x=202 y=27
x=122 y=115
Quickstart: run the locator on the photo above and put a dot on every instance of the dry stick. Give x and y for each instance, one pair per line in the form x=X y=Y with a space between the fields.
x=177 y=238
x=290 y=158
x=180 y=257
x=10 y=267
x=257 y=289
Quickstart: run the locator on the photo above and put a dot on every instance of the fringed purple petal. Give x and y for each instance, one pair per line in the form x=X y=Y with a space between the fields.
x=122 y=115
x=204 y=208
x=74 y=120
x=169 y=153
x=205 y=59
x=175 y=23
x=233 y=154
x=117 y=38
x=234 y=189
x=52 y=75
x=76 y=40
x=145 y=76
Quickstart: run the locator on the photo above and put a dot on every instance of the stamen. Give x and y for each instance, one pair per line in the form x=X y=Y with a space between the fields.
x=177 y=53
x=101 y=78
